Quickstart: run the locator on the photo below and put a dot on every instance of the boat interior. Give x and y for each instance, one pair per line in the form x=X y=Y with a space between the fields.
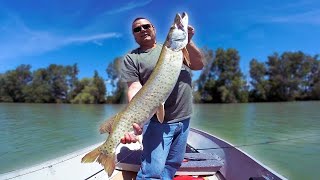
x=206 y=157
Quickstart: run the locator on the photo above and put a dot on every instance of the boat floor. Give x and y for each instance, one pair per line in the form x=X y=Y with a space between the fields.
x=60 y=168
x=129 y=175
x=194 y=164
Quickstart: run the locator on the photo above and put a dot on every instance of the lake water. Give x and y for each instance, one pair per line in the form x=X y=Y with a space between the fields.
x=284 y=136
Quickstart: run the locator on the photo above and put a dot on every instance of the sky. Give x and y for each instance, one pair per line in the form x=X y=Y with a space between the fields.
x=92 y=33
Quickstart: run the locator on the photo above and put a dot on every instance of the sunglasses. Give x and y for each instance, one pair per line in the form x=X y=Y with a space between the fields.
x=139 y=28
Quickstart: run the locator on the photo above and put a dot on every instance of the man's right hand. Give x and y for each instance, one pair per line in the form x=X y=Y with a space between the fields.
x=132 y=138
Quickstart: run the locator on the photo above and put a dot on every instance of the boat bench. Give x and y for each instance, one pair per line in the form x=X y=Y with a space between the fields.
x=194 y=163
x=200 y=164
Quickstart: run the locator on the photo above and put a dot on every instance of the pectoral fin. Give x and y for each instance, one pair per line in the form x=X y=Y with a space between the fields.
x=160 y=113
x=186 y=57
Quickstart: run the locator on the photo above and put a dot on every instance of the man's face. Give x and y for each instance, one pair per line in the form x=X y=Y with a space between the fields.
x=143 y=32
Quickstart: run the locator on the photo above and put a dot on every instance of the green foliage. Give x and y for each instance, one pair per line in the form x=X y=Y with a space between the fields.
x=222 y=81
x=54 y=84
x=286 y=77
x=90 y=91
x=72 y=80
x=99 y=84
x=119 y=88
x=87 y=96
x=315 y=92
x=197 y=97
x=113 y=71
x=14 y=82
x=291 y=76
x=258 y=81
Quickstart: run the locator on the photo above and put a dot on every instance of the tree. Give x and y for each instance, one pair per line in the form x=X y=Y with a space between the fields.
x=202 y=92
x=39 y=91
x=58 y=82
x=314 y=79
x=84 y=92
x=119 y=88
x=4 y=96
x=98 y=82
x=90 y=90
x=14 y=82
x=72 y=80
x=290 y=76
x=223 y=82
x=277 y=82
x=259 y=83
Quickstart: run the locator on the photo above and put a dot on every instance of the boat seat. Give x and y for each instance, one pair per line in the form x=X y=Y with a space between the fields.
x=200 y=164
x=194 y=163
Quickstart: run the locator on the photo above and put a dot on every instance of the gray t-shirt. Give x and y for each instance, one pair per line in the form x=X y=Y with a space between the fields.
x=138 y=65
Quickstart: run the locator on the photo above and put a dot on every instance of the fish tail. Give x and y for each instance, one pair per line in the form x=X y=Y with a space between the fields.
x=108 y=162
x=91 y=156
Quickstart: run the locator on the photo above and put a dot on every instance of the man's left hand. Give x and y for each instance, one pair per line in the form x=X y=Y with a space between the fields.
x=190 y=33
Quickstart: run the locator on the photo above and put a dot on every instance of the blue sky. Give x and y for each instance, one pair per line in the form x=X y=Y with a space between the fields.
x=92 y=33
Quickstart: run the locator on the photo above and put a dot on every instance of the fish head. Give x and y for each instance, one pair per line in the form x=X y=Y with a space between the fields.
x=178 y=35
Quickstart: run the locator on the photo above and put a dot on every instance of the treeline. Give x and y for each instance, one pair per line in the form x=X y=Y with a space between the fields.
x=290 y=76
x=287 y=77
x=54 y=84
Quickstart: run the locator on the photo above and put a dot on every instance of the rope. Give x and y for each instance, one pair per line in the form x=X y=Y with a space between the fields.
x=49 y=166
x=116 y=164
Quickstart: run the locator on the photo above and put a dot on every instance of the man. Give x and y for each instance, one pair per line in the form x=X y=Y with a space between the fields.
x=164 y=144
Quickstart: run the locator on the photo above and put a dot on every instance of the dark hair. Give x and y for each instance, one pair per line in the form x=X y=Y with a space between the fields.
x=138 y=18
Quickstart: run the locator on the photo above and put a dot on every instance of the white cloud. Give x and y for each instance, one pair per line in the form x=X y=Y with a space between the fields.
x=308 y=17
x=17 y=40
x=91 y=38
x=129 y=6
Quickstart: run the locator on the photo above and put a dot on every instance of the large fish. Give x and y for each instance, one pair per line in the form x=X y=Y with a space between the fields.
x=151 y=96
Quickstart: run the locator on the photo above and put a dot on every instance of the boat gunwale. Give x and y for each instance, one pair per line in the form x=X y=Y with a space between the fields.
x=231 y=146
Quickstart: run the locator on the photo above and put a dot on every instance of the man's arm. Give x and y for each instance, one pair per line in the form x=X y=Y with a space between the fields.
x=133 y=88
x=196 y=57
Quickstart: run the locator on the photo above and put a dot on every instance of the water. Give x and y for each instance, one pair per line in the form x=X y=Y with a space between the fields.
x=33 y=133
x=284 y=136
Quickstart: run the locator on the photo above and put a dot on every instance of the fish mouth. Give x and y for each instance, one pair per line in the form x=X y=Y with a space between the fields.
x=181 y=25
x=178 y=38
x=181 y=21
x=183 y=14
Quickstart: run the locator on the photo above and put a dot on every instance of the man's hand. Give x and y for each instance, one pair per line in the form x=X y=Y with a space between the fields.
x=190 y=33
x=132 y=138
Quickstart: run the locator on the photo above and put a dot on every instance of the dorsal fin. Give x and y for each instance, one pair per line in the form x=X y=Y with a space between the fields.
x=107 y=126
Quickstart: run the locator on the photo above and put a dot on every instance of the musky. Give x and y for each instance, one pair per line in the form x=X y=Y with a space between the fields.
x=92 y=33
